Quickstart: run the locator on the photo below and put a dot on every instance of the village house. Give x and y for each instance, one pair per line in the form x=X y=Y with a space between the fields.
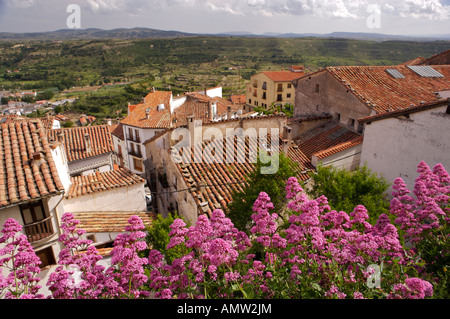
x=192 y=188
x=273 y=87
x=88 y=148
x=161 y=111
x=396 y=142
x=346 y=94
x=34 y=179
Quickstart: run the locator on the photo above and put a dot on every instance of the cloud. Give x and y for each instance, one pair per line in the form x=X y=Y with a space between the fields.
x=351 y=9
x=20 y=4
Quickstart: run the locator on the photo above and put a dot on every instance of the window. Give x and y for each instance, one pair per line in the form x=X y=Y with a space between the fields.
x=37 y=224
x=47 y=257
x=137 y=136
x=289 y=85
x=279 y=97
x=249 y=101
x=280 y=88
x=264 y=95
x=137 y=164
x=264 y=86
x=130 y=133
x=32 y=213
x=317 y=88
x=351 y=122
x=288 y=95
x=448 y=110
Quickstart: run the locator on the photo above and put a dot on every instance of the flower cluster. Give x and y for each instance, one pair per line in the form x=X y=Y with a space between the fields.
x=317 y=253
x=21 y=262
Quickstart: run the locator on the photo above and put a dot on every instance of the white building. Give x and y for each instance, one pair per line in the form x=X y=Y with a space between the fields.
x=396 y=142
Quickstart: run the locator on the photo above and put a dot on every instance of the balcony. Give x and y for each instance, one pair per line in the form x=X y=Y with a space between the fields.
x=132 y=138
x=135 y=154
x=39 y=230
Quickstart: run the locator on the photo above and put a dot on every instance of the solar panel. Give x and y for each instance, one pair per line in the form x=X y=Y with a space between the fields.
x=425 y=71
x=395 y=73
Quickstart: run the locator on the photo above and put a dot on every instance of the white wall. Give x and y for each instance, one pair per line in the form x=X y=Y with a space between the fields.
x=87 y=166
x=348 y=159
x=62 y=166
x=395 y=147
x=131 y=198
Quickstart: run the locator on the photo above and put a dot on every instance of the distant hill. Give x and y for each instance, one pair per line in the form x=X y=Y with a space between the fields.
x=143 y=33
x=89 y=34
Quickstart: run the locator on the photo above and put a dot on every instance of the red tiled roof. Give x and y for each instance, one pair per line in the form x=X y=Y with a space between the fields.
x=156 y=119
x=117 y=130
x=197 y=105
x=100 y=182
x=238 y=99
x=283 y=76
x=104 y=222
x=75 y=144
x=339 y=148
x=383 y=93
x=222 y=179
x=332 y=139
x=27 y=168
x=408 y=110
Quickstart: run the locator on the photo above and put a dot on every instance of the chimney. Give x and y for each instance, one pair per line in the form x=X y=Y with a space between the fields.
x=87 y=140
x=287 y=133
x=60 y=137
x=195 y=129
x=147 y=114
x=109 y=122
x=37 y=156
x=210 y=111
x=285 y=146
x=229 y=112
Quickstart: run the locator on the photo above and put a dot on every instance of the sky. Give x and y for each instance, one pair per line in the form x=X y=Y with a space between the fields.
x=409 y=17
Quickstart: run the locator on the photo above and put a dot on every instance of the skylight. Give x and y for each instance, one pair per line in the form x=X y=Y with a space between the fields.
x=395 y=73
x=425 y=71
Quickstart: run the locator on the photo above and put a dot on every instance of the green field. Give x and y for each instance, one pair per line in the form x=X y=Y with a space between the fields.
x=185 y=63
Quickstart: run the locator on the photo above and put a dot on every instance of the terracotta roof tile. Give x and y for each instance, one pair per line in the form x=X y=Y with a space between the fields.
x=331 y=139
x=339 y=148
x=100 y=182
x=220 y=180
x=27 y=168
x=117 y=130
x=147 y=115
x=104 y=222
x=384 y=93
x=75 y=143
x=283 y=76
x=198 y=105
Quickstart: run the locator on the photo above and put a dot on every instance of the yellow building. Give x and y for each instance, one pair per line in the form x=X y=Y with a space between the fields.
x=273 y=87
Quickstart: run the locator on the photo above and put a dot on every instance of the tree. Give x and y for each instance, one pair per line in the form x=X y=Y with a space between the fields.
x=347 y=189
x=241 y=207
x=158 y=236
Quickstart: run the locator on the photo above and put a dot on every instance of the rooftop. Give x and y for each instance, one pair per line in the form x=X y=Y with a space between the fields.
x=147 y=114
x=74 y=140
x=27 y=169
x=328 y=139
x=389 y=88
x=104 y=222
x=212 y=184
x=283 y=76
x=100 y=182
